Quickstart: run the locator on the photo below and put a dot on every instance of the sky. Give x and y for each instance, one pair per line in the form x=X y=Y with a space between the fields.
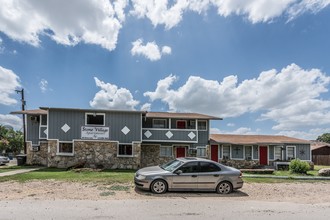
x=261 y=65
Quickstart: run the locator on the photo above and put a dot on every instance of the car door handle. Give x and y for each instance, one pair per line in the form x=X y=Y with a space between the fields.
x=216 y=175
x=194 y=176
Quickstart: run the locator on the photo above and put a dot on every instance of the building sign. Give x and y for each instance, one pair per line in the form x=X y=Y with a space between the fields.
x=94 y=133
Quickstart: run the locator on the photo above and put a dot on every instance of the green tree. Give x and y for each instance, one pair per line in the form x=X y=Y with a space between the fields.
x=10 y=140
x=324 y=138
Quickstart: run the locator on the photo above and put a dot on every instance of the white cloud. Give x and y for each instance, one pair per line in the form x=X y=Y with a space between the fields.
x=43 y=84
x=290 y=97
x=255 y=10
x=150 y=50
x=2 y=48
x=159 y=12
x=146 y=107
x=12 y=120
x=112 y=97
x=231 y=125
x=304 y=6
x=241 y=130
x=93 y=22
x=9 y=81
x=310 y=134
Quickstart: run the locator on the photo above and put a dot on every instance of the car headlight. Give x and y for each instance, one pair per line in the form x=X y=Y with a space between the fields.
x=140 y=177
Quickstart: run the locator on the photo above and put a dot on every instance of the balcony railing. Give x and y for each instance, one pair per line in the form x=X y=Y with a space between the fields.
x=170 y=135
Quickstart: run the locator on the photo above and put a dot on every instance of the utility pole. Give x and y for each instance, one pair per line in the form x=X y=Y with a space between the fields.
x=23 y=108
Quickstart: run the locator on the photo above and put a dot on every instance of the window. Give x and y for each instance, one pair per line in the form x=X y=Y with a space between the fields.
x=159 y=123
x=202 y=125
x=166 y=151
x=248 y=152
x=209 y=167
x=290 y=152
x=125 y=150
x=43 y=120
x=191 y=167
x=95 y=119
x=201 y=152
x=65 y=148
x=278 y=153
x=226 y=152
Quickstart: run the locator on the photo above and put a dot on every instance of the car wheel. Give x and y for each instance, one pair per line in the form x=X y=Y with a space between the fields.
x=224 y=187
x=158 y=186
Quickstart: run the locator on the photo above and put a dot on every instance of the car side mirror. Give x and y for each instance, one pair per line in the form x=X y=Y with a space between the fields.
x=178 y=172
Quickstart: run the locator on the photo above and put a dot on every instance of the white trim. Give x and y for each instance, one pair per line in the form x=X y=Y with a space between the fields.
x=294 y=151
x=94 y=113
x=118 y=155
x=170 y=141
x=206 y=125
x=64 y=154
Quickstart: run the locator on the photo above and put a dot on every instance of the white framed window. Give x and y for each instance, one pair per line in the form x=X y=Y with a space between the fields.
x=95 y=119
x=226 y=152
x=166 y=151
x=159 y=123
x=202 y=125
x=290 y=152
x=125 y=150
x=65 y=148
x=248 y=152
x=278 y=153
x=201 y=152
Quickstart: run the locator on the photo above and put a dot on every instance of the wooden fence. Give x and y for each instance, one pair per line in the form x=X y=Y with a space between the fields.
x=321 y=159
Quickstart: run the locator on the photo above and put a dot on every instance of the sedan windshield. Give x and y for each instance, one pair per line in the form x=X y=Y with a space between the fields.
x=172 y=165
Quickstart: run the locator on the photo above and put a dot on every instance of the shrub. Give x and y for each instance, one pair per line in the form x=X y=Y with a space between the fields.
x=298 y=166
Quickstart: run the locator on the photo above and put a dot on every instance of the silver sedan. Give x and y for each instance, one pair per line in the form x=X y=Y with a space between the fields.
x=4 y=160
x=189 y=174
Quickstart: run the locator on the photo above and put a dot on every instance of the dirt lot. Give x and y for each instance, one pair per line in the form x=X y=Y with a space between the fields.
x=300 y=192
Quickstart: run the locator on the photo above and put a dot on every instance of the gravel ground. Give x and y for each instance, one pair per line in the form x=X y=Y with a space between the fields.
x=299 y=192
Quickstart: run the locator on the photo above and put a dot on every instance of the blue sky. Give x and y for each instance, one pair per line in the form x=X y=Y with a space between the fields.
x=261 y=65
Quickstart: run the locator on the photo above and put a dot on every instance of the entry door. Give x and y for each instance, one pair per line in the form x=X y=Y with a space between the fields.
x=215 y=153
x=263 y=155
x=181 y=124
x=180 y=152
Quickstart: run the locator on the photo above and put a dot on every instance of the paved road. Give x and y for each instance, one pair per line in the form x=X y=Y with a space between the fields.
x=163 y=208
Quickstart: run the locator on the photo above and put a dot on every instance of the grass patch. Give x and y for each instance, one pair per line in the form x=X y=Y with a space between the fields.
x=106 y=176
x=11 y=168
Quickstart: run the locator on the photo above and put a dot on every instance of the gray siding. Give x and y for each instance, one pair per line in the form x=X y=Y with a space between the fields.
x=116 y=121
x=303 y=151
x=32 y=131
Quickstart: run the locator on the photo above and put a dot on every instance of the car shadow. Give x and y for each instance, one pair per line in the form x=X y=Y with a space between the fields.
x=184 y=194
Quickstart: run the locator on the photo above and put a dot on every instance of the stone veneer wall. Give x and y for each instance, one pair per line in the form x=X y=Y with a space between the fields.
x=37 y=157
x=240 y=164
x=150 y=156
x=94 y=154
